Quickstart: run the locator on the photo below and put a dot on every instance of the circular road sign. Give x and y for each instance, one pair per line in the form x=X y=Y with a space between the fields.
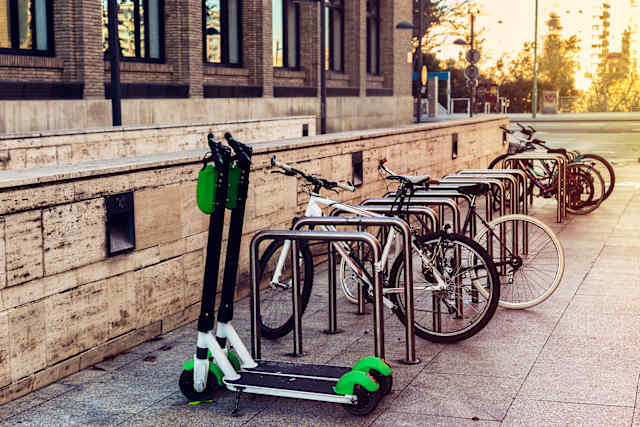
x=473 y=56
x=471 y=72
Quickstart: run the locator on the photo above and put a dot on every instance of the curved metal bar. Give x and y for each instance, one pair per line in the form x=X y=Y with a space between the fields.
x=427 y=200
x=326 y=236
x=404 y=229
x=426 y=211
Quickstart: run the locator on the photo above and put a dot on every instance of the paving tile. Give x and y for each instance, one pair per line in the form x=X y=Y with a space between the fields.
x=174 y=410
x=61 y=413
x=564 y=381
x=394 y=418
x=463 y=396
x=588 y=324
x=610 y=283
x=596 y=352
x=604 y=304
x=538 y=413
x=488 y=359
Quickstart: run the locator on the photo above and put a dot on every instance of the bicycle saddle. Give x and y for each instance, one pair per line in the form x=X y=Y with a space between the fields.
x=474 y=189
x=415 y=180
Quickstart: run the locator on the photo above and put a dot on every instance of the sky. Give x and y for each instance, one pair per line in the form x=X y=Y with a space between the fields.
x=517 y=26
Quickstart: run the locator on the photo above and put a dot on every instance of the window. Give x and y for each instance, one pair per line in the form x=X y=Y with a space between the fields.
x=334 y=32
x=373 y=39
x=221 y=23
x=284 y=24
x=139 y=29
x=26 y=27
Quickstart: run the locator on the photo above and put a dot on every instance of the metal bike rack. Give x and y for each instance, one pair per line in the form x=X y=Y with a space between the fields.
x=439 y=201
x=359 y=222
x=327 y=236
x=561 y=161
x=417 y=211
x=518 y=174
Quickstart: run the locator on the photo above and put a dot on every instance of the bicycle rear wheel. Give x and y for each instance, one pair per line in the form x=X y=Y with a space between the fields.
x=585 y=189
x=349 y=279
x=459 y=311
x=529 y=258
x=605 y=170
x=276 y=308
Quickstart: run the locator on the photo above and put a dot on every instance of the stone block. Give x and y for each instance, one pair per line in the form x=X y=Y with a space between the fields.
x=122 y=308
x=158 y=216
x=16 y=390
x=174 y=321
x=40 y=157
x=76 y=321
x=35 y=197
x=193 y=220
x=5 y=360
x=27 y=346
x=17 y=159
x=96 y=187
x=74 y=235
x=3 y=258
x=193 y=276
x=23 y=235
x=159 y=291
x=64 y=154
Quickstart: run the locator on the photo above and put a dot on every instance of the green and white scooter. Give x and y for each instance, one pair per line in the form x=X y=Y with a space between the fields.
x=223 y=360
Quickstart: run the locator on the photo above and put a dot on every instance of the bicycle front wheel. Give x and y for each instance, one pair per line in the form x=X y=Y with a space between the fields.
x=350 y=279
x=529 y=258
x=276 y=306
x=456 y=309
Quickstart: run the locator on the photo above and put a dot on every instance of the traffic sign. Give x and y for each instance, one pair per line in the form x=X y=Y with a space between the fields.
x=473 y=56
x=424 y=75
x=471 y=72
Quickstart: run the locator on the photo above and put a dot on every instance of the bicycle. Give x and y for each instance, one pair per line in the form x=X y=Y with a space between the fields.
x=527 y=253
x=585 y=186
x=452 y=269
x=594 y=160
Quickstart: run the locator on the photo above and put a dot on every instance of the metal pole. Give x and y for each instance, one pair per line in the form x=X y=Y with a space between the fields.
x=534 y=96
x=473 y=82
x=114 y=46
x=420 y=64
x=297 y=313
x=333 y=321
x=323 y=71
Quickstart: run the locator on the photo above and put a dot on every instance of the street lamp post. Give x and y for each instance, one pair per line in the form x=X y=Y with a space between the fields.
x=114 y=47
x=420 y=58
x=534 y=96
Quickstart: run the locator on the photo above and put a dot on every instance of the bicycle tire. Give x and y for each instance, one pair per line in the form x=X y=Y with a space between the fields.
x=498 y=159
x=581 y=178
x=439 y=299
x=523 y=284
x=276 y=312
x=601 y=164
x=347 y=277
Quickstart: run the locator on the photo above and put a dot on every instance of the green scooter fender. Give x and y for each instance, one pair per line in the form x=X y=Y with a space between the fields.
x=367 y=364
x=348 y=381
x=215 y=370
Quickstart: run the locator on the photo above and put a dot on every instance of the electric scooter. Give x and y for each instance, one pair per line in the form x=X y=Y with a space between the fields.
x=223 y=360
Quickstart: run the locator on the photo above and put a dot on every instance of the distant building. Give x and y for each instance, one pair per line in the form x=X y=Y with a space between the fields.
x=197 y=60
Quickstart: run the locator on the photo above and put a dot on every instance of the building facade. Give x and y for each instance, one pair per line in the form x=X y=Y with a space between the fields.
x=203 y=60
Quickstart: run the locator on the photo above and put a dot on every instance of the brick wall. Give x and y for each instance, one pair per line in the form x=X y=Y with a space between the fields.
x=67 y=306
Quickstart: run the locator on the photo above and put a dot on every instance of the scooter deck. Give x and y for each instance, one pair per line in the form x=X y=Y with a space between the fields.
x=300 y=369
x=284 y=382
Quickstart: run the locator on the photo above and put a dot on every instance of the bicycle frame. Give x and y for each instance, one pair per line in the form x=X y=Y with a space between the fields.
x=314 y=210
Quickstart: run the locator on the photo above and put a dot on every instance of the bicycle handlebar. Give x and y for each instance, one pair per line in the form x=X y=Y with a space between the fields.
x=324 y=183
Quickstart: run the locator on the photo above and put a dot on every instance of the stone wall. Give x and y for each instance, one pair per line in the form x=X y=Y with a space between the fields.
x=32 y=150
x=65 y=305
x=343 y=113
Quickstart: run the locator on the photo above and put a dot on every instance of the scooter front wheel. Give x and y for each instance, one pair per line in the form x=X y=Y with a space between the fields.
x=186 y=387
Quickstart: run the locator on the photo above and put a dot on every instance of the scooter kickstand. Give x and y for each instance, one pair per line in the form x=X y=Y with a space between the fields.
x=237 y=402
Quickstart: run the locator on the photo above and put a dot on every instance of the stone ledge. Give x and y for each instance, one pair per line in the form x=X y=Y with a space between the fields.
x=68 y=132
x=35 y=176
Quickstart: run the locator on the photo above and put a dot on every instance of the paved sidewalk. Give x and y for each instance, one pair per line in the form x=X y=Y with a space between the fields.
x=573 y=360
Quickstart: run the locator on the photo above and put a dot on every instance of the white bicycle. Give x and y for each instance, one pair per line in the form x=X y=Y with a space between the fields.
x=456 y=284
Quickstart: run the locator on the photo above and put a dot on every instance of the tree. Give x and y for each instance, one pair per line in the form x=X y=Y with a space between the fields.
x=558 y=61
